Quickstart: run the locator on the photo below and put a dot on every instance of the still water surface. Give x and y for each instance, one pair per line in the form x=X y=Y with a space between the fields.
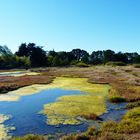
x=27 y=119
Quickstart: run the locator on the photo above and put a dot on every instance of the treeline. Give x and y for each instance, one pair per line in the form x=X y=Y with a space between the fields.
x=31 y=55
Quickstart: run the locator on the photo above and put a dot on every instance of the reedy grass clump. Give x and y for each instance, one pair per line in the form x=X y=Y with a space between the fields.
x=133 y=104
x=127 y=129
x=130 y=124
x=115 y=97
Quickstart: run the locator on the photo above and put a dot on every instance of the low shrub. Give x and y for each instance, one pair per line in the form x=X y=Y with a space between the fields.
x=92 y=131
x=115 y=97
x=81 y=64
x=117 y=63
x=82 y=136
x=137 y=65
x=73 y=62
x=90 y=116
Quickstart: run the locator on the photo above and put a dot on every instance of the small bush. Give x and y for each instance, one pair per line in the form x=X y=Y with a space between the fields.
x=117 y=99
x=137 y=65
x=90 y=116
x=81 y=64
x=133 y=104
x=92 y=131
x=119 y=63
x=73 y=62
x=111 y=136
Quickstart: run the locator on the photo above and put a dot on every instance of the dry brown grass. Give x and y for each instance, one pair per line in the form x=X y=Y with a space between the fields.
x=121 y=79
x=9 y=83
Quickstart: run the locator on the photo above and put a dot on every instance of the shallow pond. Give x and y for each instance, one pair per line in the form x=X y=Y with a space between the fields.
x=27 y=119
x=26 y=112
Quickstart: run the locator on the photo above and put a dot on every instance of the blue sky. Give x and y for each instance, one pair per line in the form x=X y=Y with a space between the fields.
x=67 y=24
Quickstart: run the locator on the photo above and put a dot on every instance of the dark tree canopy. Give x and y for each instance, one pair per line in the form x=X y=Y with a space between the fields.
x=4 y=50
x=31 y=55
x=79 y=54
x=96 y=57
x=36 y=54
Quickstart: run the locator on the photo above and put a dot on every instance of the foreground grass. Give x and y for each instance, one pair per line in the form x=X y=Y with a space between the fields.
x=127 y=129
x=29 y=137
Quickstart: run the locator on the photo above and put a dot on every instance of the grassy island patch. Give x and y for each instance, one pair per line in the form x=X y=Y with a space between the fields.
x=67 y=109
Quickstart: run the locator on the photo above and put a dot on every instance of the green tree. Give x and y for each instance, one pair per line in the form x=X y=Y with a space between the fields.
x=79 y=54
x=137 y=59
x=108 y=56
x=36 y=54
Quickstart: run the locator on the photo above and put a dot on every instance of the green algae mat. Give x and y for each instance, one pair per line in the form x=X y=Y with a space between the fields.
x=67 y=109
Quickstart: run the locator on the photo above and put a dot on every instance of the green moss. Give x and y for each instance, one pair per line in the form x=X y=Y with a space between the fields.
x=81 y=84
x=67 y=109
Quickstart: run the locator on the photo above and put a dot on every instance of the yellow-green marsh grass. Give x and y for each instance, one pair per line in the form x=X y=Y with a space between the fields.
x=78 y=84
x=60 y=82
x=68 y=108
x=129 y=124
